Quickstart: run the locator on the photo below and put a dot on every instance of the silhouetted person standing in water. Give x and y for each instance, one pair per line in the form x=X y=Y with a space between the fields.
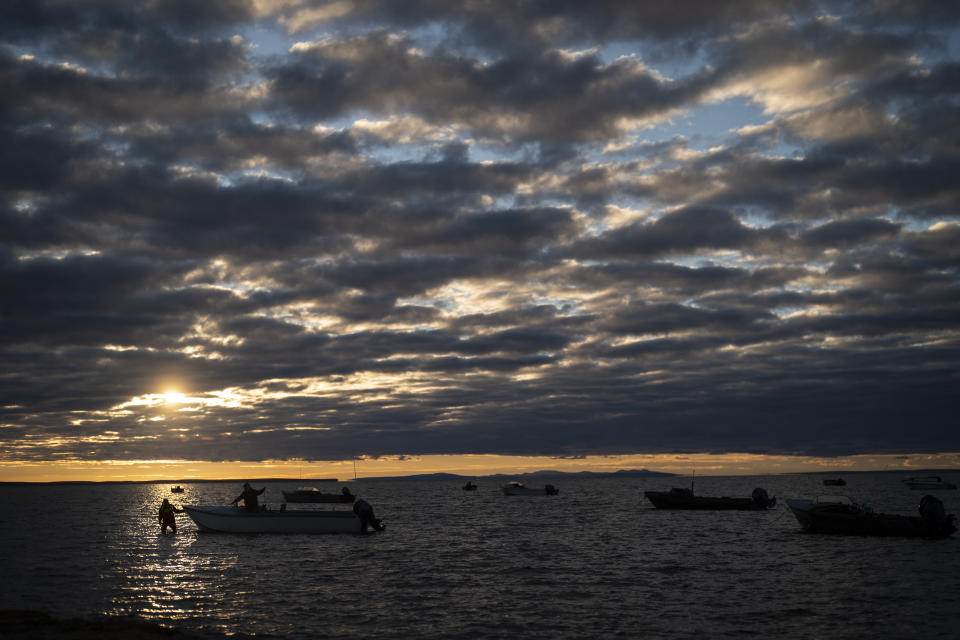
x=167 y=516
x=249 y=497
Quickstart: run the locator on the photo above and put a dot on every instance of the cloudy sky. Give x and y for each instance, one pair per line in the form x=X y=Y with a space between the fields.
x=244 y=230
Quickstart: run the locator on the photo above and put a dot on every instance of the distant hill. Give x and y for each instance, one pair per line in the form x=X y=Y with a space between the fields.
x=622 y=473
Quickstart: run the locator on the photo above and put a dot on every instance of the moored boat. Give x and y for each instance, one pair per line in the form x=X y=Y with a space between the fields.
x=840 y=515
x=176 y=489
x=929 y=483
x=233 y=519
x=834 y=482
x=515 y=488
x=470 y=486
x=682 y=498
x=314 y=495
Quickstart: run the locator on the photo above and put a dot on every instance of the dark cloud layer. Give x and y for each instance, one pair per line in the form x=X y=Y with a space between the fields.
x=345 y=228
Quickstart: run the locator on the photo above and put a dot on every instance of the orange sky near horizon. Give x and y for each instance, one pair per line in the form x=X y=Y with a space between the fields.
x=467 y=465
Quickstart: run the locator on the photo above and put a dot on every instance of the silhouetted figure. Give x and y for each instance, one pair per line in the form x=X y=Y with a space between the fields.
x=167 y=516
x=249 y=497
x=347 y=496
x=365 y=512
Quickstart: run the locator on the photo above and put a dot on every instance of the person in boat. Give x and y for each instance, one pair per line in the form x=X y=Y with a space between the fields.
x=249 y=497
x=167 y=516
x=346 y=494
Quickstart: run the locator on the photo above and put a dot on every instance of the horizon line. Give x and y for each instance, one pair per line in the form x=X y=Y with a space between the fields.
x=541 y=473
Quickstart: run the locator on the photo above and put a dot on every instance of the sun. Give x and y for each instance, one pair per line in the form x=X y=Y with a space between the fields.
x=172 y=396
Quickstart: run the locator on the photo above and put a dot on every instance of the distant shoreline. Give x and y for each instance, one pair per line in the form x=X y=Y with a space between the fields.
x=623 y=473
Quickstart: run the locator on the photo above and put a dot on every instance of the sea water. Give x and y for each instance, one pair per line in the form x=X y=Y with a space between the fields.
x=595 y=561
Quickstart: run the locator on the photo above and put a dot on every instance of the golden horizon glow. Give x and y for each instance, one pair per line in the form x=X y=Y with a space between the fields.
x=465 y=465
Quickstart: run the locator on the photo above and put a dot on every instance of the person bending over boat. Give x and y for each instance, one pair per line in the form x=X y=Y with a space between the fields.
x=249 y=497
x=365 y=512
x=167 y=516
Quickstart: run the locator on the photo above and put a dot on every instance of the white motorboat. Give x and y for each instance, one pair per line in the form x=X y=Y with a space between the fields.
x=515 y=488
x=683 y=498
x=929 y=482
x=234 y=519
x=840 y=515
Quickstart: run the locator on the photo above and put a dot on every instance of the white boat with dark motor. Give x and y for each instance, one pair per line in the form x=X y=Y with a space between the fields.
x=928 y=483
x=234 y=519
x=841 y=515
x=515 y=488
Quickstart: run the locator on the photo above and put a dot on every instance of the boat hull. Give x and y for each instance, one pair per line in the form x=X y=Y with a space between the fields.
x=238 y=520
x=671 y=500
x=929 y=486
x=525 y=492
x=846 y=519
x=519 y=490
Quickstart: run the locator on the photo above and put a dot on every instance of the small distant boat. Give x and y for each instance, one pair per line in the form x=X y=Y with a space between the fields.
x=234 y=519
x=514 y=488
x=176 y=489
x=470 y=486
x=314 y=495
x=929 y=483
x=680 y=498
x=840 y=515
x=834 y=482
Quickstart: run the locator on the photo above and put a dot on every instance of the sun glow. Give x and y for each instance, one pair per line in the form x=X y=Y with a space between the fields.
x=172 y=396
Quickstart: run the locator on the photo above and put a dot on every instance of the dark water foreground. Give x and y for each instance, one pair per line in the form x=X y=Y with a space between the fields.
x=595 y=561
x=33 y=625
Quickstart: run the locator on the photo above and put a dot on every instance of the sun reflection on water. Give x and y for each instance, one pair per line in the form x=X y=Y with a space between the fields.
x=170 y=578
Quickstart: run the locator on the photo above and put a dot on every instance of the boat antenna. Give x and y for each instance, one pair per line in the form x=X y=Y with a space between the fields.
x=693 y=477
x=354 y=468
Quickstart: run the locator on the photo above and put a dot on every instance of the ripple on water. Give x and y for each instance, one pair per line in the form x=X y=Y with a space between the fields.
x=595 y=561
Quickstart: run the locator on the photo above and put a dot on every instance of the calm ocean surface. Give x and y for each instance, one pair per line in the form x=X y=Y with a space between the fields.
x=595 y=561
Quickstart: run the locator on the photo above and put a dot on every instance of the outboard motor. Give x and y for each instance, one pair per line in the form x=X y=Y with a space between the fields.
x=761 y=499
x=933 y=515
x=931 y=510
x=551 y=490
x=365 y=512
